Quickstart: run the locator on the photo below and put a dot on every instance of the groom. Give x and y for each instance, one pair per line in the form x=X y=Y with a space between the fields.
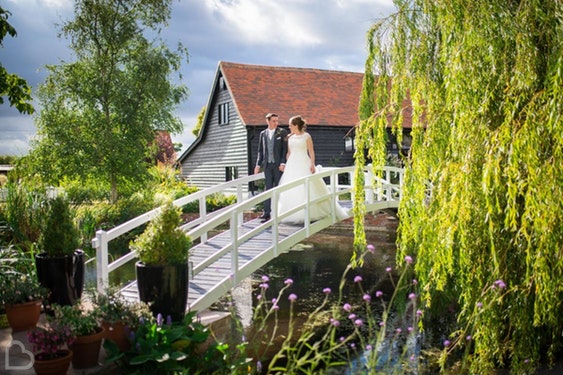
x=272 y=151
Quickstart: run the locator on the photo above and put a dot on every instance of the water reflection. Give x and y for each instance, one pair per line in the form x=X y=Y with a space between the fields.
x=316 y=264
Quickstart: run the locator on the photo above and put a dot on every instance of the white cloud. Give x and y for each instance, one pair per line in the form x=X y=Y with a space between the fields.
x=324 y=34
x=265 y=21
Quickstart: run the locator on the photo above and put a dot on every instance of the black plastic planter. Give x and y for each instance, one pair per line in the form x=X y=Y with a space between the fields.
x=62 y=275
x=165 y=288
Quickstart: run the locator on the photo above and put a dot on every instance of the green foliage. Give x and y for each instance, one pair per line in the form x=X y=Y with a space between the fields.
x=16 y=288
x=23 y=211
x=8 y=159
x=11 y=85
x=115 y=308
x=167 y=181
x=169 y=348
x=100 y=113
x=199 y=122
x=59 y=234
x=104 y=215
x=163 y=242
x=16 y=259
x=19 y=283
x=85 y=191
x=79 y=320
x=482 y=196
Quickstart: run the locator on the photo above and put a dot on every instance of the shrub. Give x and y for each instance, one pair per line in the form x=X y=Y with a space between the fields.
x=163 y=242
x=59 y=234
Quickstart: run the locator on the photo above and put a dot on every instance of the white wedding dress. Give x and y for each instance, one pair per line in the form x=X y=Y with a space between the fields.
x=298 y=165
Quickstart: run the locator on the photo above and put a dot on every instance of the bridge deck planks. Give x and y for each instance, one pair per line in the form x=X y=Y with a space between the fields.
x=220 y=269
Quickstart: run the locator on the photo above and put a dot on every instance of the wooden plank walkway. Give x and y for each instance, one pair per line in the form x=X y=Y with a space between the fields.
x=217 y=278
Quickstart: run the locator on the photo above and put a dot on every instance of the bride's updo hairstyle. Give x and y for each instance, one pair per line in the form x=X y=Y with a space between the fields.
x=299 y=122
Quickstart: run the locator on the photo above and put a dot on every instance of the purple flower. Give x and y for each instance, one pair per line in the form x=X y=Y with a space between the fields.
x=264 y=286
x=389 y=269
x=334 y=322
x=500 y=284
x=418 y=313
x=479 y=305
x=414 y=282
x=371 y=248
x=259 y=297
x=381 y=324
x=159 y=319
x=169 y=320
x=288 y=281
x=447 y=343
x=408 y=259
x=367 y=297
x=398 y=330
x=292 y=297
x=409 y=328
x=357 y=279
x=274 y=301
x=468 y=337
x=259 y=367
x=347 y=307
x=412 y=296
x=327 y=291
x=358 y=322
x=378 y=294
x=265 y=278
x=352 y=316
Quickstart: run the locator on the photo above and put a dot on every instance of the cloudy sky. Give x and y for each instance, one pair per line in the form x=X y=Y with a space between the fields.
x=323 y=34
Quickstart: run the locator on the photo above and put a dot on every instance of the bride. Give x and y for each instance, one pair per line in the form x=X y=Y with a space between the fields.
x=300 y=163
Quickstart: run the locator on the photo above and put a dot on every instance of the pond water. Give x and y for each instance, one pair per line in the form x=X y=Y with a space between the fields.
x=316 y=264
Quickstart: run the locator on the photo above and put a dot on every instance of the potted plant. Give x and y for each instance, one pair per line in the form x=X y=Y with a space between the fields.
x=50 y=349
x=21 y=296
x=162 y=269
x=84 y=325
x=119 y=316
x=60 y=264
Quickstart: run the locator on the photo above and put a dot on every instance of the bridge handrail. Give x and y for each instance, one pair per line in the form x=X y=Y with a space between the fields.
x=198 y=228
x=272 y=194
x=102 y=239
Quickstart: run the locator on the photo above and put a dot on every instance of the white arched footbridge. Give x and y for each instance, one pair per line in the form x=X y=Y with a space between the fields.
x=219 y=262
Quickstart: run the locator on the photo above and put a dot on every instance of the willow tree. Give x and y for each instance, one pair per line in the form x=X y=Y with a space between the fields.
x=482 y=204
x=100 y=113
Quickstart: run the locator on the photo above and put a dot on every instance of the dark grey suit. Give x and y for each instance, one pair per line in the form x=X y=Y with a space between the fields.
x=272 y=174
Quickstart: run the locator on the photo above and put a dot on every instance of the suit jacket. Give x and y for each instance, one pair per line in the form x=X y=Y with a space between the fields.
x=280 y=147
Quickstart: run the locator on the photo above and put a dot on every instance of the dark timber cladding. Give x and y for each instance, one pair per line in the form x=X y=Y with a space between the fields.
x=242 y=95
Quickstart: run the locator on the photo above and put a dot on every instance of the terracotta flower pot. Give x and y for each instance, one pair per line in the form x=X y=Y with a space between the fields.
x=56 y=366
x=23 y=316
x=118 y=333
x=86 y=350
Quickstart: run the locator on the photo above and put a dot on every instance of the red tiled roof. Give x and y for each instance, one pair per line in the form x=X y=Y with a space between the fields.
x=322 y=97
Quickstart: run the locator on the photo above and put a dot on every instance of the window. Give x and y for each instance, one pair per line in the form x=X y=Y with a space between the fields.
x=231 y=173
x=223 y=113
x=349 y=144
